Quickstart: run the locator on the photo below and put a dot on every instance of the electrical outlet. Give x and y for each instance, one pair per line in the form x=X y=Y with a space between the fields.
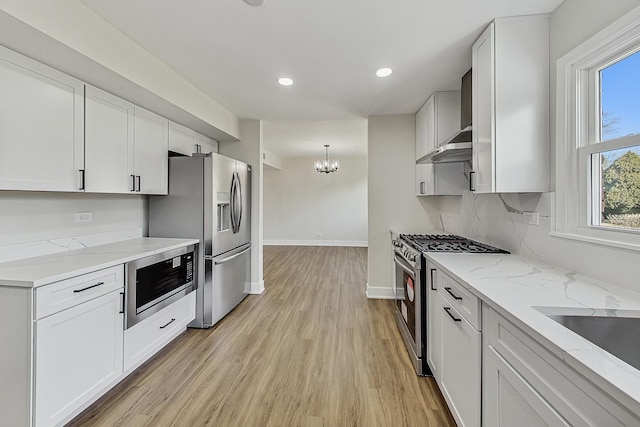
x=84 y=217
x=532 y=218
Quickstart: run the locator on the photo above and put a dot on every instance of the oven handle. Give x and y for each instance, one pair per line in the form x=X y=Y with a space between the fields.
x=225 y=260
x=401 y=263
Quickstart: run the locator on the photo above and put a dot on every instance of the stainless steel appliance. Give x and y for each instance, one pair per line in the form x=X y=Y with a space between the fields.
x=457 y=148
x=209 y=199
x=411 y=284
x=156 y=281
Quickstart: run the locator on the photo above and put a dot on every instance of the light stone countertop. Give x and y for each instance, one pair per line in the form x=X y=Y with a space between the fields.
x=46 y=269
x=516 y=286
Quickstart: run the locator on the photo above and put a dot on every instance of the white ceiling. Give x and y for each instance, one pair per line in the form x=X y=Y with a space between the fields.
x=331 y=48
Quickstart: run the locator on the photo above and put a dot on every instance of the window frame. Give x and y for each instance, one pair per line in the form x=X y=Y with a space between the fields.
x=578 y=136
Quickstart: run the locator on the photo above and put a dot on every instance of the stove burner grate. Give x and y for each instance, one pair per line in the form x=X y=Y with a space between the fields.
x=447 y=243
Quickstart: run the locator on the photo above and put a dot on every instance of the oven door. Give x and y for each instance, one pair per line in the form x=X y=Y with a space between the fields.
x=408 y=301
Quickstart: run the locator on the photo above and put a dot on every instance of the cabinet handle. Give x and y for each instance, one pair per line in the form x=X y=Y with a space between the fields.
x=81 y=187
x=122 y=300
x=422 y=185
x=75 y=291
x=433 y=288
x=198 y=148
x=133 y=183
x=448 y=310
x=138 y=181
x=471 y=181
x=456 y=297
x=170 y=322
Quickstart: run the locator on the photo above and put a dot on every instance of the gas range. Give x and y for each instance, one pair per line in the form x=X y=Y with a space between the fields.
x=447 y=243
x=412 y=285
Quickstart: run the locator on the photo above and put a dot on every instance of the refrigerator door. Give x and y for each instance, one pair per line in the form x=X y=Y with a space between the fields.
x=243 y=193
x=226 y=283
x=220 y=230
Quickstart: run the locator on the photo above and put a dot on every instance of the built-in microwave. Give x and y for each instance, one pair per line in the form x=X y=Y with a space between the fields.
x=156 y=281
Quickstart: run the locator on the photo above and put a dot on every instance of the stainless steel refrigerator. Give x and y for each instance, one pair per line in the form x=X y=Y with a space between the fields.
x=209 y=199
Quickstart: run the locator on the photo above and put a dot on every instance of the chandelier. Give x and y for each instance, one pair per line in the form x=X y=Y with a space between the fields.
x=324 y=166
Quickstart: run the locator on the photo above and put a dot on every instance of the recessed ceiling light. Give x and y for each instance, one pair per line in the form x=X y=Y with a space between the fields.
x=254 y=2
x=384 y=72
x=285 y=81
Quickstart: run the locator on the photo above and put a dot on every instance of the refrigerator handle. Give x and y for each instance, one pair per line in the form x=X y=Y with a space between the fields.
x=239 y=194
x=234 y=256
x=232 y=209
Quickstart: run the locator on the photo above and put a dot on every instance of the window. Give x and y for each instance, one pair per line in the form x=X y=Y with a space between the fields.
x=615 y=165
x=598 y=138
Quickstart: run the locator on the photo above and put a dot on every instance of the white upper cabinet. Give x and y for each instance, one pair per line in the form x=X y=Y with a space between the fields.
x=206 y=144
x=510 y=104
x=438 y=119
x=425 y=127
x=41 y=126
x=151 y=148
x=108 y=143
x=182 y=140
x=126 y=146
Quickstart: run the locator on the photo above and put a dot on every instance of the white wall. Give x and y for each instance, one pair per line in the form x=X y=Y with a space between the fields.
x=249 y=150
x=392 y=199
x=498 y=219
x=304 y=207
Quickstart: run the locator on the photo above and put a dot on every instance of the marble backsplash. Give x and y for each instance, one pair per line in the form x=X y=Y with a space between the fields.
x=47 y=247
x=499 y=220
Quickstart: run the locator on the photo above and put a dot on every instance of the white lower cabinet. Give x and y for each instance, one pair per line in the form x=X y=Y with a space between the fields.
x=510 y=400
x=147 y=337
x=434 y=328
x=525 y=384
x=460 y=365
x=78 y=355
x=63 y=345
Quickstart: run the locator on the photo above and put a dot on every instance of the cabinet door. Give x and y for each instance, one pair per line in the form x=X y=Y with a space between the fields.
x=151 y=148
x=483 y=107
x=207 y=145
x=425 y=128
x=42 y=126
x=182 y=140
x=108 y=143
x=460 y=366
x=434 y=323
x=425 y=182
x=78 y=355
x=509 y=400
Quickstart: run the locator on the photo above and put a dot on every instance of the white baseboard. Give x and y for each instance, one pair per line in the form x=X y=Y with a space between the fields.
x=257 y=288
x=356 y=243
x=380 y=293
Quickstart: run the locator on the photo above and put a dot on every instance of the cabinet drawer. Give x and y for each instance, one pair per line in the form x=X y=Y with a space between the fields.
x=67 y=293
x=460 y=298
x=147 y=337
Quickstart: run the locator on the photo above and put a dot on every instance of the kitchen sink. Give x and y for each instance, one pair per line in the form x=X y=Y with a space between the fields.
x=619 y=336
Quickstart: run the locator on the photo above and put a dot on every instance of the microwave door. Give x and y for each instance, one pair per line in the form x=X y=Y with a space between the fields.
x=221 y=179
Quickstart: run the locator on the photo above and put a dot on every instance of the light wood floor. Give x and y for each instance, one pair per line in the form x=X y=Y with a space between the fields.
x=310 y=351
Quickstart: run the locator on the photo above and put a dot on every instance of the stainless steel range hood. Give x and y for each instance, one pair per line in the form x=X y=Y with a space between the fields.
x=457 y=148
